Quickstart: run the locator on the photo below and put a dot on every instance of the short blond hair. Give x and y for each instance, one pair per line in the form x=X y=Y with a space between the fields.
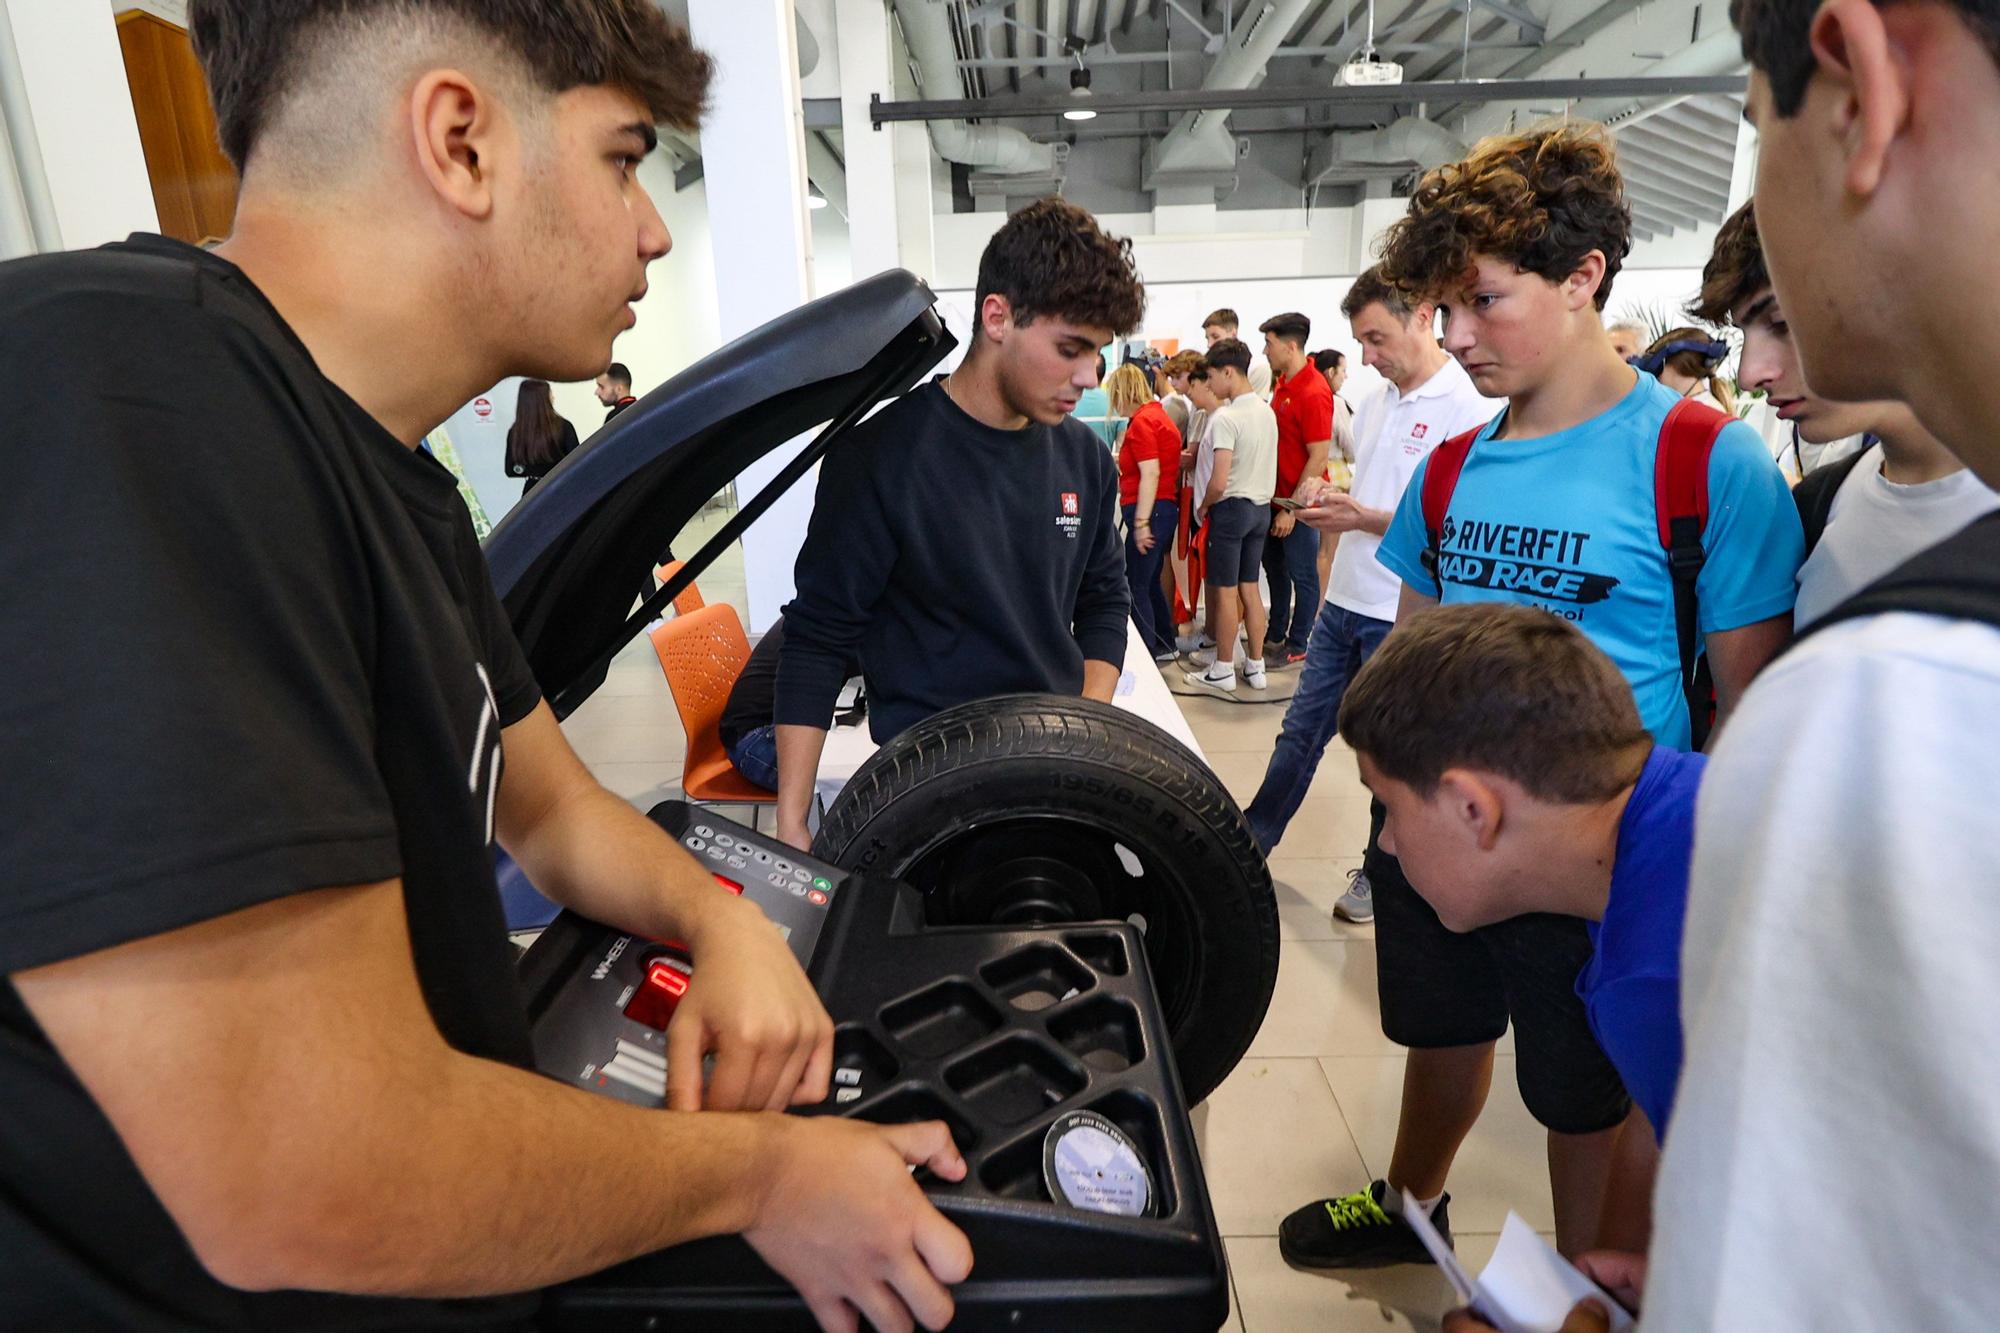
x=1127 y=389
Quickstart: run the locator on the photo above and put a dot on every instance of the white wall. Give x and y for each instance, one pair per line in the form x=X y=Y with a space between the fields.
x=78 y=106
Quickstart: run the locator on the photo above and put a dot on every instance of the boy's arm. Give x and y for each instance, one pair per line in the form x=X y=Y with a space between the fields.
x=1755 y=546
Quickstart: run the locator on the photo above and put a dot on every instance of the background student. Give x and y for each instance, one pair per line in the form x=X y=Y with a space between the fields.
x=1243 y=444
x=538 y=439
x=1149 y=497
x=1868 y=512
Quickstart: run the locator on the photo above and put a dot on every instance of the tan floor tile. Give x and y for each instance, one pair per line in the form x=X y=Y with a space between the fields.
x=1326 y=828
x=1307 y=890
x=600 y=742
x=1223 y=728
x=1324 y=1003
x=1272 y=1138
x=1503 y=1164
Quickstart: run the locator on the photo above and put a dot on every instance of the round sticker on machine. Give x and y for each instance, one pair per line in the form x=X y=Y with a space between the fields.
x=1090 y=1164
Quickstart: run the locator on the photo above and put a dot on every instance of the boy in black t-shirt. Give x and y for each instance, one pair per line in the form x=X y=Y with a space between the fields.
x=263 y=1062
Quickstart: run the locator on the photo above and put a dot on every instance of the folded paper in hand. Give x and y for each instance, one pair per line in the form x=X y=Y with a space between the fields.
x=1526 y=1287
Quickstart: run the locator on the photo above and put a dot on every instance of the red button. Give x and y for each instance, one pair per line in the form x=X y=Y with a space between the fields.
x=815 y=897
x=729 y=884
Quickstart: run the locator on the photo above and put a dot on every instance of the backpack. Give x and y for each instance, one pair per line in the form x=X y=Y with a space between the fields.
x=1680 y=497
x=1814 y=493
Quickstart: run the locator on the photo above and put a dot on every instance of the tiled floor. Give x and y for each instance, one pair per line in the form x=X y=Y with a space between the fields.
x=1312 y=1109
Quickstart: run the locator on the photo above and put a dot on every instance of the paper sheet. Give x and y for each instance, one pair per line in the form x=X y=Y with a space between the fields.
x=1526 y=1286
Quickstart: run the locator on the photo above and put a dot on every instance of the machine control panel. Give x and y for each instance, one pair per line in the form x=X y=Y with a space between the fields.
x=613 y=995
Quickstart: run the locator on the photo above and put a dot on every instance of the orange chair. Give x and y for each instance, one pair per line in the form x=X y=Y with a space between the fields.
x=703 y=652
x=690 y=596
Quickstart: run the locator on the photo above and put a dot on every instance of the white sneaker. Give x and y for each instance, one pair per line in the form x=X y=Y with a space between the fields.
x=1225 y=683
x=1253 y=672
x=1193 y=643
x=1203 y=658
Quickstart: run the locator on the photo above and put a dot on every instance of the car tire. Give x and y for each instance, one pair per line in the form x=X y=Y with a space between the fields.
x=1040 y=809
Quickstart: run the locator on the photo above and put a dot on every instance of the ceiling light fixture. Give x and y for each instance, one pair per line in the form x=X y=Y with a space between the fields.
x=1079 y=90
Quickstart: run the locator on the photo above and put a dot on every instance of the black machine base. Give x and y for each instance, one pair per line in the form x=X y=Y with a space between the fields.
x=996 y=1032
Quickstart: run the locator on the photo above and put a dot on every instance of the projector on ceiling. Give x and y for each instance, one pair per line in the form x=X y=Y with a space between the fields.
x=1369 y=72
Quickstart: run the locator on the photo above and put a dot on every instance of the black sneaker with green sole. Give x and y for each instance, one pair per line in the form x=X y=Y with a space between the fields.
x=1355 y=1232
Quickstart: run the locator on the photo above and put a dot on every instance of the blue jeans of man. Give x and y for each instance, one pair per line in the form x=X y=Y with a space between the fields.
x=1340 y=644
x=1142 y=575
x=756 y=756
x=1291 y=565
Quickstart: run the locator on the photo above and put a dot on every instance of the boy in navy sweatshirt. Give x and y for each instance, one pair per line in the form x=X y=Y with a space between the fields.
x=964 y=542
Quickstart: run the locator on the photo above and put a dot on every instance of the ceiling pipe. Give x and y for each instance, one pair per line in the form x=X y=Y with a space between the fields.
x=999 y=149
x=826 y=171
x=1200 y=142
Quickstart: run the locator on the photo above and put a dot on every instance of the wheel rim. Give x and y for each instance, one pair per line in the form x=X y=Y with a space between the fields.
x=1049 y=869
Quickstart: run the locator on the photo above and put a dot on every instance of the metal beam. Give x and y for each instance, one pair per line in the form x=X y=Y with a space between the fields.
x=1663 y=212
x=1724 y=145
x=822 y=113
x=1666 y=169
x=1198 y=99
x=1531 y=27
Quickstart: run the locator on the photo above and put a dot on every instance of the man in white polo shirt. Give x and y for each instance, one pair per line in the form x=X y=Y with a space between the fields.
x=1427 y=400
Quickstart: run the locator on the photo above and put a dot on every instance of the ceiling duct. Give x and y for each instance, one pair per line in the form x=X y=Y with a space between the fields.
x=1412 y=139
x=1199 y=149
x=999 y=149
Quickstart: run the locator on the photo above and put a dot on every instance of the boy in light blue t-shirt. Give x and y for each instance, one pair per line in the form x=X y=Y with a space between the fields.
x=1518 y=246
x=1567 y=521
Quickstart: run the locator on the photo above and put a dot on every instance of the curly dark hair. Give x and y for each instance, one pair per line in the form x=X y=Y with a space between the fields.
x=1052 y=258
x=1735 y=271
x=1541 y=201
x=255 y=51
x=1775 y=41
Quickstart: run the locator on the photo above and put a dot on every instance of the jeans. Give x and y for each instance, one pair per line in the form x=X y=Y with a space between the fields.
x=1291 y=564
x=1342 y=643
x=1142 y=575
x=756 y=756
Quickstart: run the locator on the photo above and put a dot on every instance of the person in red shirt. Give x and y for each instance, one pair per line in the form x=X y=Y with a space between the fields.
x=1149 y=491
x=1304 y=405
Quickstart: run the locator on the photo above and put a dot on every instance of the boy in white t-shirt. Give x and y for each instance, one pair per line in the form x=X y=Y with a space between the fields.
x=1428 y=399
x=1235 y=501
x=1870 y=511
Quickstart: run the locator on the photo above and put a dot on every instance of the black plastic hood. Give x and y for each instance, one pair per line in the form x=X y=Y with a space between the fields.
x=569 y=559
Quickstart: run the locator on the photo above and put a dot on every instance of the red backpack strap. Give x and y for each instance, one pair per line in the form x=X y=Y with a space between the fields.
x=1680 y=497
x=1441 y=474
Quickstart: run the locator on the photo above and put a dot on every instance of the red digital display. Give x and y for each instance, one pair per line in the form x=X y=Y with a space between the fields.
x=659 y=994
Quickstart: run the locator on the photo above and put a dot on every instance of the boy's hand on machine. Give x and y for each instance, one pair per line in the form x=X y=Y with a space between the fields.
x=751 y=1005
x=843 y=1222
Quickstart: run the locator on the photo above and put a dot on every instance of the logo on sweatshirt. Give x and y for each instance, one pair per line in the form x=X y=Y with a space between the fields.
x=1070 y=520
x=1418 y=431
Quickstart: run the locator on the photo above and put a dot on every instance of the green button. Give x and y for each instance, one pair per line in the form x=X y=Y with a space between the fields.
x=823 y=884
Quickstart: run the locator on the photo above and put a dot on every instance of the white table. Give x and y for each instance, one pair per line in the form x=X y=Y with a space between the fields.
x=1141 y=692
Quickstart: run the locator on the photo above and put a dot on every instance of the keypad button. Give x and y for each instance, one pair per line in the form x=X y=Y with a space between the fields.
x=816 y=898
x=704 y=831
x=724 y=840
x=696 y=845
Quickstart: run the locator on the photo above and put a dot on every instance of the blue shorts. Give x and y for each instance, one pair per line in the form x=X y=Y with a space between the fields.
x=1237 y=528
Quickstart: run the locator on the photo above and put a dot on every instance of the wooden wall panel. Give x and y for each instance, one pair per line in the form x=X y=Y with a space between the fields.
x=194 y=186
